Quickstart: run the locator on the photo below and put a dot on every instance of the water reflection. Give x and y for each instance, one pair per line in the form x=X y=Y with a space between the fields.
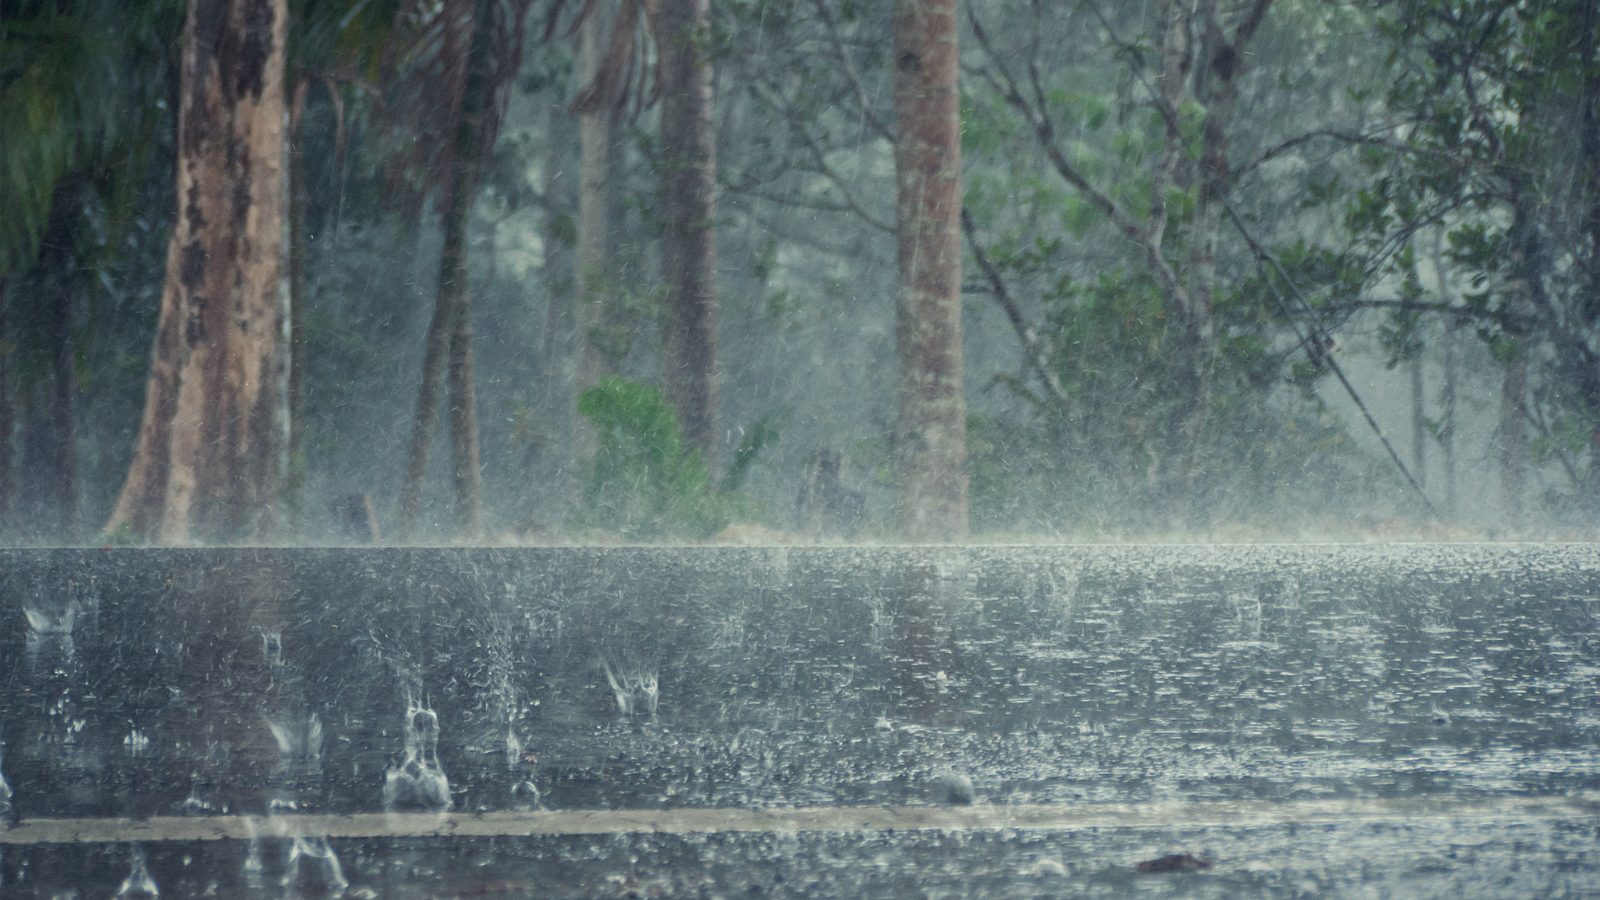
x=138 y=883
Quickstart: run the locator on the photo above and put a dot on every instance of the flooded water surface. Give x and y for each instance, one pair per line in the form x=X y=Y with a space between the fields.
x=1005 y=721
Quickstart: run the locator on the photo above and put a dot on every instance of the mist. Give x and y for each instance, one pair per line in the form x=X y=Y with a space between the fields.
x=1291 y=298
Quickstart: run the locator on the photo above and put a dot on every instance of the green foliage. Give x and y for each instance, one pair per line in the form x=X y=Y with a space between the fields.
x=646 y=484
x=1499 y=155
x=83 y=89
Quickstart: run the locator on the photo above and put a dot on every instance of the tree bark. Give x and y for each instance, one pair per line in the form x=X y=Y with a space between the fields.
x=688 y=245
x=930 y=426
x=208 y=458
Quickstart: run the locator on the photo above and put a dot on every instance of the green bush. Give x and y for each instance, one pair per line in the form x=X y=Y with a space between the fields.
x=646 y=484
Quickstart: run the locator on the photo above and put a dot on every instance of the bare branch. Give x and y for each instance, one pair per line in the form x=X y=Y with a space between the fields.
x=1044 y=130
x=1033 y=351
x=850 y=73
x=820 y=165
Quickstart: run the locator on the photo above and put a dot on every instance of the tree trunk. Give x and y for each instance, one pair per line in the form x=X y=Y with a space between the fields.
x=1447 y=395
x=1419 y=399
x=208 y=457
x=448 y=353
x=434 y=356
x=295 y=477
x=1513 y=434
x=556 y=409
x=1588 y=188
x=688 y=244
x=465 y=457
x=1419 y=423
x=930 y=427
x=63 y=443
x=1523 y=293
x=54 y=470
x=596 y=134
x=8 y=485
x=1218 y=65
x=1447 y=419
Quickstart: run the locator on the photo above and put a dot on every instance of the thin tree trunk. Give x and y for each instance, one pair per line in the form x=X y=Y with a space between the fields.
x=1447 y=397
x=434 y=356
x=448 y=354
x=54 y=470
x=1219 y=65
x=295 y=476
x=1523 y=294
x=1588 y=193
x=8 y=485
x=557 y=334
x=930 y=427
x=207 y=462
x=1447 y=422
x=1419 y=397
x=596 y=134
x=63 y=431
x=465 y=456
x=1513 y=434
x=1419 y=423
x=688 y=246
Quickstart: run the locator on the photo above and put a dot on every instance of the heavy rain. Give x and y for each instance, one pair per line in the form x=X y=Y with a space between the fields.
x=814 y=448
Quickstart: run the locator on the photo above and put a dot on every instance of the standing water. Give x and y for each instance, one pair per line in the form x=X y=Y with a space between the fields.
x=1001 y=721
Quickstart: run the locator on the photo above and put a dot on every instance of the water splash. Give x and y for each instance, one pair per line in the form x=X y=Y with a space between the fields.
x=515 y=748
x=253 y=867
x=272 y=647
x=5 y=791
x=194 y=804
x=299 y=742
x=316 y=848
x=138 y=883
x=49 y=642
x=137 y=743
x=636 y=690
x=526 y=795
x=46 y=622
x=418 y=782
x=951 y=788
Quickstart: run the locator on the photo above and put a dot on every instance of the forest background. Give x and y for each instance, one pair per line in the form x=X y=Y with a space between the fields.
x=648 y=269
